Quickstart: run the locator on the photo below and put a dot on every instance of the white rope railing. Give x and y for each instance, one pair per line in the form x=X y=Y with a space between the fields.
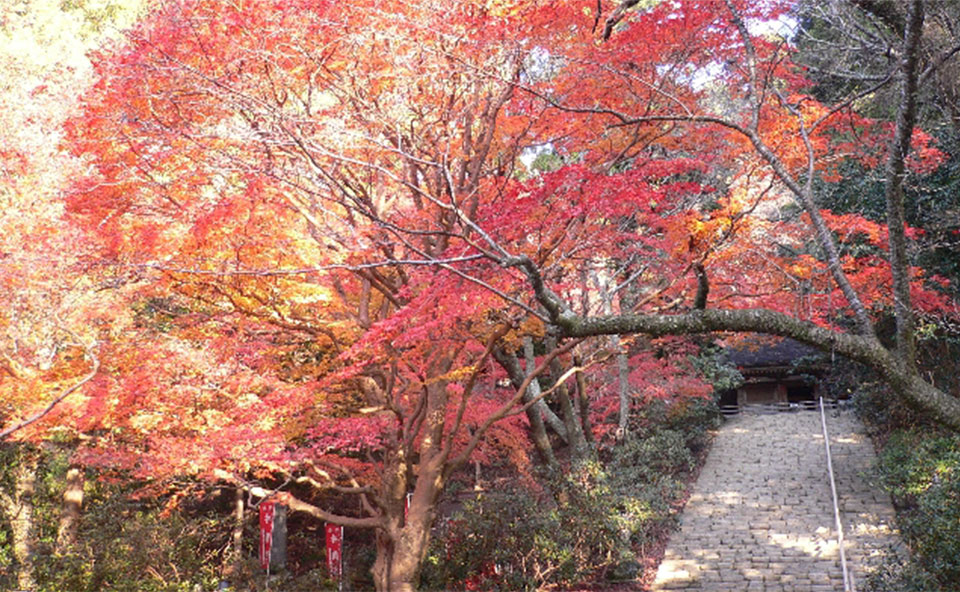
x=848 y=584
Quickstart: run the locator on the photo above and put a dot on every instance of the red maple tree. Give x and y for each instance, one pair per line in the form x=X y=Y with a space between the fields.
x=334 y=225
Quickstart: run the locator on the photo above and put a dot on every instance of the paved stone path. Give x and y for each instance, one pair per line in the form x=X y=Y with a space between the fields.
x=761 y=513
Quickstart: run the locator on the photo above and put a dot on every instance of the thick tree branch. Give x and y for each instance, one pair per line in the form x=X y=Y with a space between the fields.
x=861 y=348
x=298 y=505
x=614 y=19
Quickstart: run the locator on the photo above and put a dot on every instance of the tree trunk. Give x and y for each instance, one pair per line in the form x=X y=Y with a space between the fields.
x=234 y=555
x=623 y=373
x=533 y=392
x=893 y=190
x=398 y=562
x=538 y=432
x=18 y=507
x=584 y=402
x=403 y=540
x=70 y=511
x=571 y=419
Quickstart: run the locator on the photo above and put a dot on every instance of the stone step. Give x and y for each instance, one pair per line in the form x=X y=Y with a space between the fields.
x=760 y=516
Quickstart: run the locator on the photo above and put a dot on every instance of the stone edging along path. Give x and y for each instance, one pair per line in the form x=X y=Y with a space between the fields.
x=761 y=513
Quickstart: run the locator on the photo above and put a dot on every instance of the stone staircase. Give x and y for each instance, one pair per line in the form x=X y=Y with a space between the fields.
x=761 y=513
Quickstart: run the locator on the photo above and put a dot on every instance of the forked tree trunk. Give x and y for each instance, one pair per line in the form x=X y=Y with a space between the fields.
x=397 y=567
x=533 y=392
x=584 y=401
x=538 y=431
x=403 y=541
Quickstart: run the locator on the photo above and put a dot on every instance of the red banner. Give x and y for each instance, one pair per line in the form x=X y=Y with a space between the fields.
x=266 y=533
x=334 y=550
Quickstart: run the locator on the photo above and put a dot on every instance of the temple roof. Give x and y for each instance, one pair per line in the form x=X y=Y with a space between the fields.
x=766 y=352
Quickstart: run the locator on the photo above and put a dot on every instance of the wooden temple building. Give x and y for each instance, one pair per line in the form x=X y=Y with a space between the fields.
x=778 y=373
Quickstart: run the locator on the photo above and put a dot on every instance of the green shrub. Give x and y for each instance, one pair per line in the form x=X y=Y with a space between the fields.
x=695 y=418
x=663 y=453
x=520 y=539
x=883 y=412
x=712 y=365
x=588 y=522
x=123 y=545
x=895 y=575
x=922 y=473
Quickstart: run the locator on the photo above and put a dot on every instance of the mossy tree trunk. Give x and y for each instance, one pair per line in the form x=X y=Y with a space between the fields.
x=70 y=509
x=17 y=507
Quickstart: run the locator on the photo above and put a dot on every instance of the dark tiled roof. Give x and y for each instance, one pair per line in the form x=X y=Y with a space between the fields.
x=766 y=352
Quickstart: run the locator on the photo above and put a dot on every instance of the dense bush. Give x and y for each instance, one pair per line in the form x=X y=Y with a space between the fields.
x=588 y=522
x=882 y=413
x=922 y=474
x=896 y=575
x=517 y=538
x=126 y=544
x=919 y=465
